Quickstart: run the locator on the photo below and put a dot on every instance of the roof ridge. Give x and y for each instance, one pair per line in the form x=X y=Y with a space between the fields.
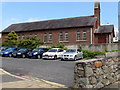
x=54 y=19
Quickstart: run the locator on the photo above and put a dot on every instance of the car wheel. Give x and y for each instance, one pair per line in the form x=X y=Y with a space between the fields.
x=23 y=56
x=62 y=59
x=55 y=57
x=10 y=55
x=38 y=56
x=75 y=58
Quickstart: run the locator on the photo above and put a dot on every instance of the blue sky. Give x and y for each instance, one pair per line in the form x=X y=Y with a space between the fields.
x=19 y=12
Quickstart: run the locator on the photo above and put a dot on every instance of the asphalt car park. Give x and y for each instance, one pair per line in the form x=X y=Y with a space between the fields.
x=58 y=71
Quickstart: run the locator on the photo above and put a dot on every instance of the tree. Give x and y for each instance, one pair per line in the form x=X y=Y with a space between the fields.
x=11 y=39
x=30 y=42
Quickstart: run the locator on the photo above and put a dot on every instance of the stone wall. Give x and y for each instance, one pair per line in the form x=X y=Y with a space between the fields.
x=93 y=47
x=96 y=73
x=97 y=47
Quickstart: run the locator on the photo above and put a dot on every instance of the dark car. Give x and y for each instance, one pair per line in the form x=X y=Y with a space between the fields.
x=37 y=53
x=9 y=51
x=21 y=53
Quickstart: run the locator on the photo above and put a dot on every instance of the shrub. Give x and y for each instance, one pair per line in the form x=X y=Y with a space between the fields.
x=91 y=54
x=11 y=39
x=59 y=45
x=30 y=42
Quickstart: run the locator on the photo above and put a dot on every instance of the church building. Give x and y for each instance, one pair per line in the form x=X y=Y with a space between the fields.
x=70 y=31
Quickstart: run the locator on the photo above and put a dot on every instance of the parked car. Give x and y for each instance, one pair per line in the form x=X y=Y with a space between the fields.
x=9 y=51
x=37 y=53
x=53 y=53
x=21 y=52
x=2 y=48
x=72 y=54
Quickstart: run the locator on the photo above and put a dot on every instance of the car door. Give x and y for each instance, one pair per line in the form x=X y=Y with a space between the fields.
x=60 y=52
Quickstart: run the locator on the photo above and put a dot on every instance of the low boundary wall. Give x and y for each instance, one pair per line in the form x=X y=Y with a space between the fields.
x=93 y=47
x=96 y=73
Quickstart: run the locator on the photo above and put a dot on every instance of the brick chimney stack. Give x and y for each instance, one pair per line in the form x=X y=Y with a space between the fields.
x=97 y=12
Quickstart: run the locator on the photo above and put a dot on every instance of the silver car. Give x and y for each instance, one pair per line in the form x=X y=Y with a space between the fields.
x=72 y=54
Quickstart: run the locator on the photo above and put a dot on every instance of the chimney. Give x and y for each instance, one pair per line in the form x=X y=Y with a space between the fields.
x=97 y=12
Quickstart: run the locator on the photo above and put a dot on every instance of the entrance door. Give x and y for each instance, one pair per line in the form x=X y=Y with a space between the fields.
x=102 y=39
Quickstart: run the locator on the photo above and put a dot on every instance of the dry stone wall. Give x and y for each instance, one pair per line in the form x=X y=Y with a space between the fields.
x=96 y=73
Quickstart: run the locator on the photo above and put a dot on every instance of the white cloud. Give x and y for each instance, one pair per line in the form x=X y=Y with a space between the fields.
x=33 y=19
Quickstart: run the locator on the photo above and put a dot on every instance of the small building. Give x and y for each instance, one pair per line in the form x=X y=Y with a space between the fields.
x=75 y=30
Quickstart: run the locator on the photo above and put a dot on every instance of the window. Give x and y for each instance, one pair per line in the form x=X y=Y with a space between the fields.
x=61 y=36
x=30 y=35
x=35 y=35
x=23 y=36
x=19 y=37
x=45 y=37
x=60 y=50
x=50 y=37
x=78 y=35
x=84 y=35
x=66 y=36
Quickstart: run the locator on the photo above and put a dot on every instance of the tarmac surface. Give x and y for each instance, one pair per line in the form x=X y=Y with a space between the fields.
x=12 y=81
x=51 y=70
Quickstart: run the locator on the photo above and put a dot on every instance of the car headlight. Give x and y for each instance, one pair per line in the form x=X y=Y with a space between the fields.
x=35 y=53
x=6 y=52
x=18 y=53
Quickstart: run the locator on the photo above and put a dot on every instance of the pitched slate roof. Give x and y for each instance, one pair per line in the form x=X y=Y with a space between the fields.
x=105 y=29
x=52 y=24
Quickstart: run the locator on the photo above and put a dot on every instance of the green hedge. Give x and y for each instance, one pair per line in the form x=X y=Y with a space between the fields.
x=90 y=54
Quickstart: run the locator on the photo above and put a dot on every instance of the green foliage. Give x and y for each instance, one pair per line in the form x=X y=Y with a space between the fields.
x=59 y=45
x=80 y=47
x=114 y=51
x=12 y=36
x=11 y=39
x=30 y=42
x=106 y=50
x=90 y=54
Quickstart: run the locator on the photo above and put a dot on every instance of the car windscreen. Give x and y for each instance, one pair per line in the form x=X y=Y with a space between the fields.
x=2 y=48
x=22 y=50
x=71 y=50
x=37 y=49
x=52 y=50
x=10 y=49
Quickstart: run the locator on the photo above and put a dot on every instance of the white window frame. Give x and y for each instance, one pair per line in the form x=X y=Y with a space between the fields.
x=84 y=35
x=19 y=37
x=78 y=36
x=66 y=36
x=61 y=36
x=22 y=36
x=35 y=35
x=50 y=37
x=30 y=35
x=45 y=37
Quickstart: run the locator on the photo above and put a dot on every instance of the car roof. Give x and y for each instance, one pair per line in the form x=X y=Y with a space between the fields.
x=40 y=48
x=55 y=48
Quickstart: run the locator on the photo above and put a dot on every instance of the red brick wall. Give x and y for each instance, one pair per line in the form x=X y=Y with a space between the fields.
x=106 y=39
x=55 y=35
